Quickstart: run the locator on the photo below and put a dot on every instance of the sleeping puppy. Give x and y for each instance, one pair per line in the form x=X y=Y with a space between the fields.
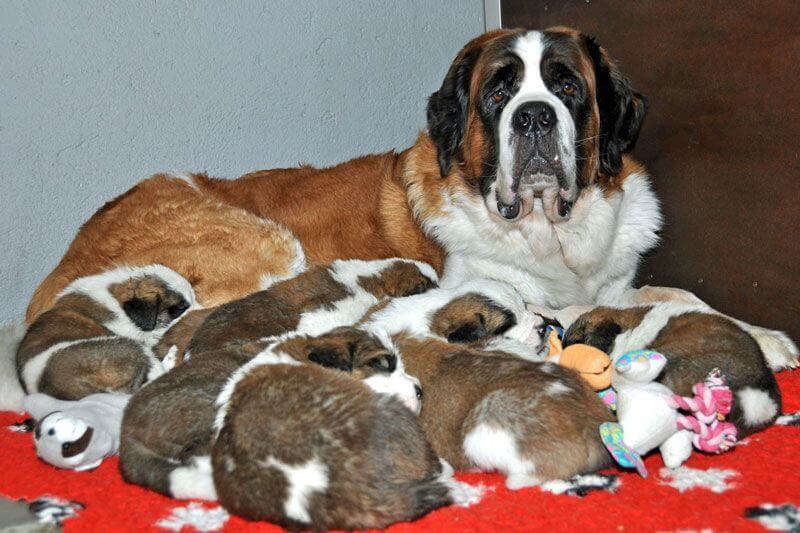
x=695 y=340
x=312 y=302
x=99 y=335
x=168 y=426
x=492 y=411
x=304 y=447
x=489 y=403
x=316 y=300
x=483 y=313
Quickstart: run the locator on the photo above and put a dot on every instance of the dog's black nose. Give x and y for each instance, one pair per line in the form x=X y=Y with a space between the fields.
x=534 y=118
x=418 y=390
x=509 y=211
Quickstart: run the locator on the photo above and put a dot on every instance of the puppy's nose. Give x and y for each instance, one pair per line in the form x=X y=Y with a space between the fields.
x=418 y=390
x=509 y=211
x=534 y=118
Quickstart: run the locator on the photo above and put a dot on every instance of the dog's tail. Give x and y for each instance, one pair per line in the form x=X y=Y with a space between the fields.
x=11 y=393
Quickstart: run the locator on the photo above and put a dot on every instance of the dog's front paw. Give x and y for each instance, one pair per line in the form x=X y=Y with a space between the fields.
x=779 y=350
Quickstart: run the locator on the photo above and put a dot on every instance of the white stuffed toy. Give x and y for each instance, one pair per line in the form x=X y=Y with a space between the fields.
x=76 y=435
x=649 y=416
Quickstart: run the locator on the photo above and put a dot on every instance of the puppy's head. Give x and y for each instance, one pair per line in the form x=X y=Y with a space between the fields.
x=151 y=298
x=371 y=358
x=488 y=311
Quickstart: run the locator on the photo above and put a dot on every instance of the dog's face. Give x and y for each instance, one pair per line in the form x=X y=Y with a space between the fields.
x=534 y=116
x=369 y=357
x=149 y=302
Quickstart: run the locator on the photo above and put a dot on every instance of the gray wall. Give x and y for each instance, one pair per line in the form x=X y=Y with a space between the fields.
x=95 y=95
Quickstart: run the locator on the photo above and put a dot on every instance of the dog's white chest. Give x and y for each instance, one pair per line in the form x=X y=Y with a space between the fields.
x=592 y=258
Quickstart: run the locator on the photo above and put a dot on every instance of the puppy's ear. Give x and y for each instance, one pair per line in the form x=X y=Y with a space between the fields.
x=469 y=332
x=600 y=335
x=622 y=110
x=332 y=358
x=143 y=313
x=447 y=107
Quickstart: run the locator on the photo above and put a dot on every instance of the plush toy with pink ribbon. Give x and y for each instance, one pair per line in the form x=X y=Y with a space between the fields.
x=650 y=416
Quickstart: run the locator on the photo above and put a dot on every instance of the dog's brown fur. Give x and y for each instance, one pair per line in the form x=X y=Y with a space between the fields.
x=378 y=465
x=465 y=387
x=694 y=343
x=213 y=231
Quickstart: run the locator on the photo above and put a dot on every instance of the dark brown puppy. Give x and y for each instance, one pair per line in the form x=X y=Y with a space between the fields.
x=695 y=340
x=490 y=410
x=308 y=448
x=98 y=337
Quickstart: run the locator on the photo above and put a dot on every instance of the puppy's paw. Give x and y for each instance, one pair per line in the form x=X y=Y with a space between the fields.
x=779 y=350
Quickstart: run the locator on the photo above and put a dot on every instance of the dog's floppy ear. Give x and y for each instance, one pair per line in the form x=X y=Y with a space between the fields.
x=622 y=110
x=600 y=335
x=447 y=107
x=330 y=357
x=143 y=313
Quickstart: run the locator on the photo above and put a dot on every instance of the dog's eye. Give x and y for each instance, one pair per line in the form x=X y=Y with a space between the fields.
x=177 y=310
x=541 y=330
x=568 y=88
x=498 y=96
x=386 y=363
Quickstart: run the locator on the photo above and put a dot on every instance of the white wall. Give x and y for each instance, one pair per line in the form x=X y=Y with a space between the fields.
x=95 y=95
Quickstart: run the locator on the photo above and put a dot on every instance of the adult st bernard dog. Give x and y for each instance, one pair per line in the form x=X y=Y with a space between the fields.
x=522 y=175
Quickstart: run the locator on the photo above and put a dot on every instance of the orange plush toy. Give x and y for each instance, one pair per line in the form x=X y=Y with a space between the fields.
x=591 y=363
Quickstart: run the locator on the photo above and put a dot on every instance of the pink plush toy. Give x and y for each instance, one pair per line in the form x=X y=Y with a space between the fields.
x=649 y=414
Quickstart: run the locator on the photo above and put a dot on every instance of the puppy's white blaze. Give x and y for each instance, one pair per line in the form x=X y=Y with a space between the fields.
x=462 y=494
x=757 y=406
x=266 y=357
x=398 y=384
x=96 y=288
x=193 y=482
x=33 y=369
x=529 y=352
x=303 y=481
x=530 y=48
x=490 y=448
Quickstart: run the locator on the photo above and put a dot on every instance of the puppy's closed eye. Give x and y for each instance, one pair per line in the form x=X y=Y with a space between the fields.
x=384 y=363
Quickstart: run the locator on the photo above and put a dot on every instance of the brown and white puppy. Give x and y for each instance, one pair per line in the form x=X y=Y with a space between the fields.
x=483 y=313
x=168 y=428
x=491 y=404
x=308 y=448
x=166 y=431
x=99 y=335
x=695 y=340
x=492 y=411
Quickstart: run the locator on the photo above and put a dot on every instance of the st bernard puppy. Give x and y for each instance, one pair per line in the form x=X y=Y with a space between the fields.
x=99 y=335
x=523 y=175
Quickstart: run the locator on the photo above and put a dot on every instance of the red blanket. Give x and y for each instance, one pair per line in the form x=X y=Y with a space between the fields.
x=740 y=490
